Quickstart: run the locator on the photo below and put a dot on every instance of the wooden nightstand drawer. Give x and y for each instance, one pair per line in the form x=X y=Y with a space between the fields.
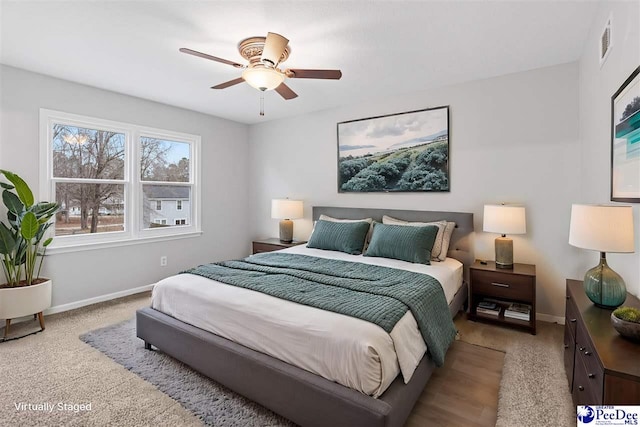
x=265 y=247
x=512 y=287
x=270 y=245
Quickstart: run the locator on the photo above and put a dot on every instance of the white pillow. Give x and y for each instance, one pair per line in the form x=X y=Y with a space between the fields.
x=369 y=220
x=439 y=251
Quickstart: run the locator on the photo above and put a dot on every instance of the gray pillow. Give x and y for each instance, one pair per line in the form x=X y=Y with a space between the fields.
x=411 y=244
x=437 y=245
x=324 y=217
x=345 y=237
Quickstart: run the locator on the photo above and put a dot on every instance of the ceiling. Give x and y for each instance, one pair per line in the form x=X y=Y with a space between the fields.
x=383 y=48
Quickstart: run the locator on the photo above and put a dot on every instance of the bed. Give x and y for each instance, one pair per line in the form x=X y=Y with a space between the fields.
x=308 y=391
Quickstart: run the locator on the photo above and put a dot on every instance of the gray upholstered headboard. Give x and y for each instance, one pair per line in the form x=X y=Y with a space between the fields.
x=461 y=247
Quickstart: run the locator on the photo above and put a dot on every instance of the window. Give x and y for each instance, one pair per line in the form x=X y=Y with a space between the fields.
x=111 y=178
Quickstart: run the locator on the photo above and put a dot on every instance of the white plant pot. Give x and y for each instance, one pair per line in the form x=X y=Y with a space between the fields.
x=25 y=300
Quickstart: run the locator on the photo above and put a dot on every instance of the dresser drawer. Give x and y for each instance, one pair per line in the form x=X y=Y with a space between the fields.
x=593 y=371
x=569 y=354
x=584 y=388
x=571 y=316
x=503 y=286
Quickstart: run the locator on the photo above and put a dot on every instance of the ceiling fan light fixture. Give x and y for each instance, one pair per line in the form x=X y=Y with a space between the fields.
x=263 y=78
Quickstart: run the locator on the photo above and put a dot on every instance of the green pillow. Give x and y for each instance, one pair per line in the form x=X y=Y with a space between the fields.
x=339 y=236
x=412 y=244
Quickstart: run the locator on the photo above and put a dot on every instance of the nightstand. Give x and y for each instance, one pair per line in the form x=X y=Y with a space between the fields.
x=273 y=244
x=503 y=287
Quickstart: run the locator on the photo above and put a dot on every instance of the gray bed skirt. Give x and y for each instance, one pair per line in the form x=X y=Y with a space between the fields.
x=304 y=398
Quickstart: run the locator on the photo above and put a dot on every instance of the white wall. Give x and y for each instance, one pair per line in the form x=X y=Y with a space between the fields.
x=92 y=273
x=513 y=138
x=597 y=85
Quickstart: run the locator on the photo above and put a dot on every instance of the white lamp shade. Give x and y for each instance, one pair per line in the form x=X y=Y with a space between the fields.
x=504 y=219
x=602 y=228
x=262 y=78
x=286 y=209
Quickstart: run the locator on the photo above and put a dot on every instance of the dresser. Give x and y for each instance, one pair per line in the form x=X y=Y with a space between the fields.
x=602 y=367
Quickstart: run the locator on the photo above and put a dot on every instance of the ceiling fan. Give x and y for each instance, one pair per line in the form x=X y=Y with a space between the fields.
x=264 y=55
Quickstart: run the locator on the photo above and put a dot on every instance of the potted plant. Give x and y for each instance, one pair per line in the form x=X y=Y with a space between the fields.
x=626 y=320
x=22 y=242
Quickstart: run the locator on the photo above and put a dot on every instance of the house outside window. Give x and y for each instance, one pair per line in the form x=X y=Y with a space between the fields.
x=110 y=179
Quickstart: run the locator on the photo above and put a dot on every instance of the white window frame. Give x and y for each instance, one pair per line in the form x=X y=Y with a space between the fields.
x=133 y=232
x=159 y=203
x=176 y=220
x=178 y=205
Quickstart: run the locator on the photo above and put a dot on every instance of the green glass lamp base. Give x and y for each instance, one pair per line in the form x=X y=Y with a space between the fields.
x=604 y=286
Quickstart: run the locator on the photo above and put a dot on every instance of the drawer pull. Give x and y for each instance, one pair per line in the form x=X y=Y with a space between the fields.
x=580 y=388
x=573 y=320
x=501 y=285
x=580 y=348
x=568 y=297
x=587 y=353
x=566 y=346
x=592 y=375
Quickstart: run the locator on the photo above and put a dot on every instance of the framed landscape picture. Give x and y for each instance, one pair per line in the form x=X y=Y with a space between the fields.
x=625 y=141
x=395 y=153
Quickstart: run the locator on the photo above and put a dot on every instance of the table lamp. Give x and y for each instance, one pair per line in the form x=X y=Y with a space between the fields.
x=504 y=219
x=603 y=228
x=286 y=210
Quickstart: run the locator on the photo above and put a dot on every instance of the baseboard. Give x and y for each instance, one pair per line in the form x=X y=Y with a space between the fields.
x=94 y=300
x=549 y=318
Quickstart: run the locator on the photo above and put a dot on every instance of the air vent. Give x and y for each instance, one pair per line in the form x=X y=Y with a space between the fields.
x=605 y=42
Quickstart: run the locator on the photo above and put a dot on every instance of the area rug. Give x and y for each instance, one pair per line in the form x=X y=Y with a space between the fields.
x=534 y=389
x=213 y=403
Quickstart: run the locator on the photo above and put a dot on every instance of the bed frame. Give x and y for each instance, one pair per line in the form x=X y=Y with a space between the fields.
x=302 y=397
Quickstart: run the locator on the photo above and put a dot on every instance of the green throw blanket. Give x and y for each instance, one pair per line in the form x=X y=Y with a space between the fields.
x=379 y=295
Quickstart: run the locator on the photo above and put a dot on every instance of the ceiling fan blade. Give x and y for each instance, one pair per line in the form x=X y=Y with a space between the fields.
x=313 y=74
x=229 y=83
x=274 y=46
x=210 y=57
x=286 y=92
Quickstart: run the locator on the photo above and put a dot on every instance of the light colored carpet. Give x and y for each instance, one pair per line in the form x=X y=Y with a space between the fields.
x=55 y=366
x=215 y=404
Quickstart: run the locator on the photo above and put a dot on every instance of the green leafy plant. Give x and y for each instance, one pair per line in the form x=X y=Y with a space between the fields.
x=21 y=237
x=629 y=314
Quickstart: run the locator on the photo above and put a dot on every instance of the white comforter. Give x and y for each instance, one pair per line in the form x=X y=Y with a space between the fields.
x=349 y=351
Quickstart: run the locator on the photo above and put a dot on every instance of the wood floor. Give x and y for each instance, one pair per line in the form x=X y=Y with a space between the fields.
x=463 y=392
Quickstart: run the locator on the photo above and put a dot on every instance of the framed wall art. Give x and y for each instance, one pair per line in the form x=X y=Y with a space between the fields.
x=405 y=152
x=625 y=141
